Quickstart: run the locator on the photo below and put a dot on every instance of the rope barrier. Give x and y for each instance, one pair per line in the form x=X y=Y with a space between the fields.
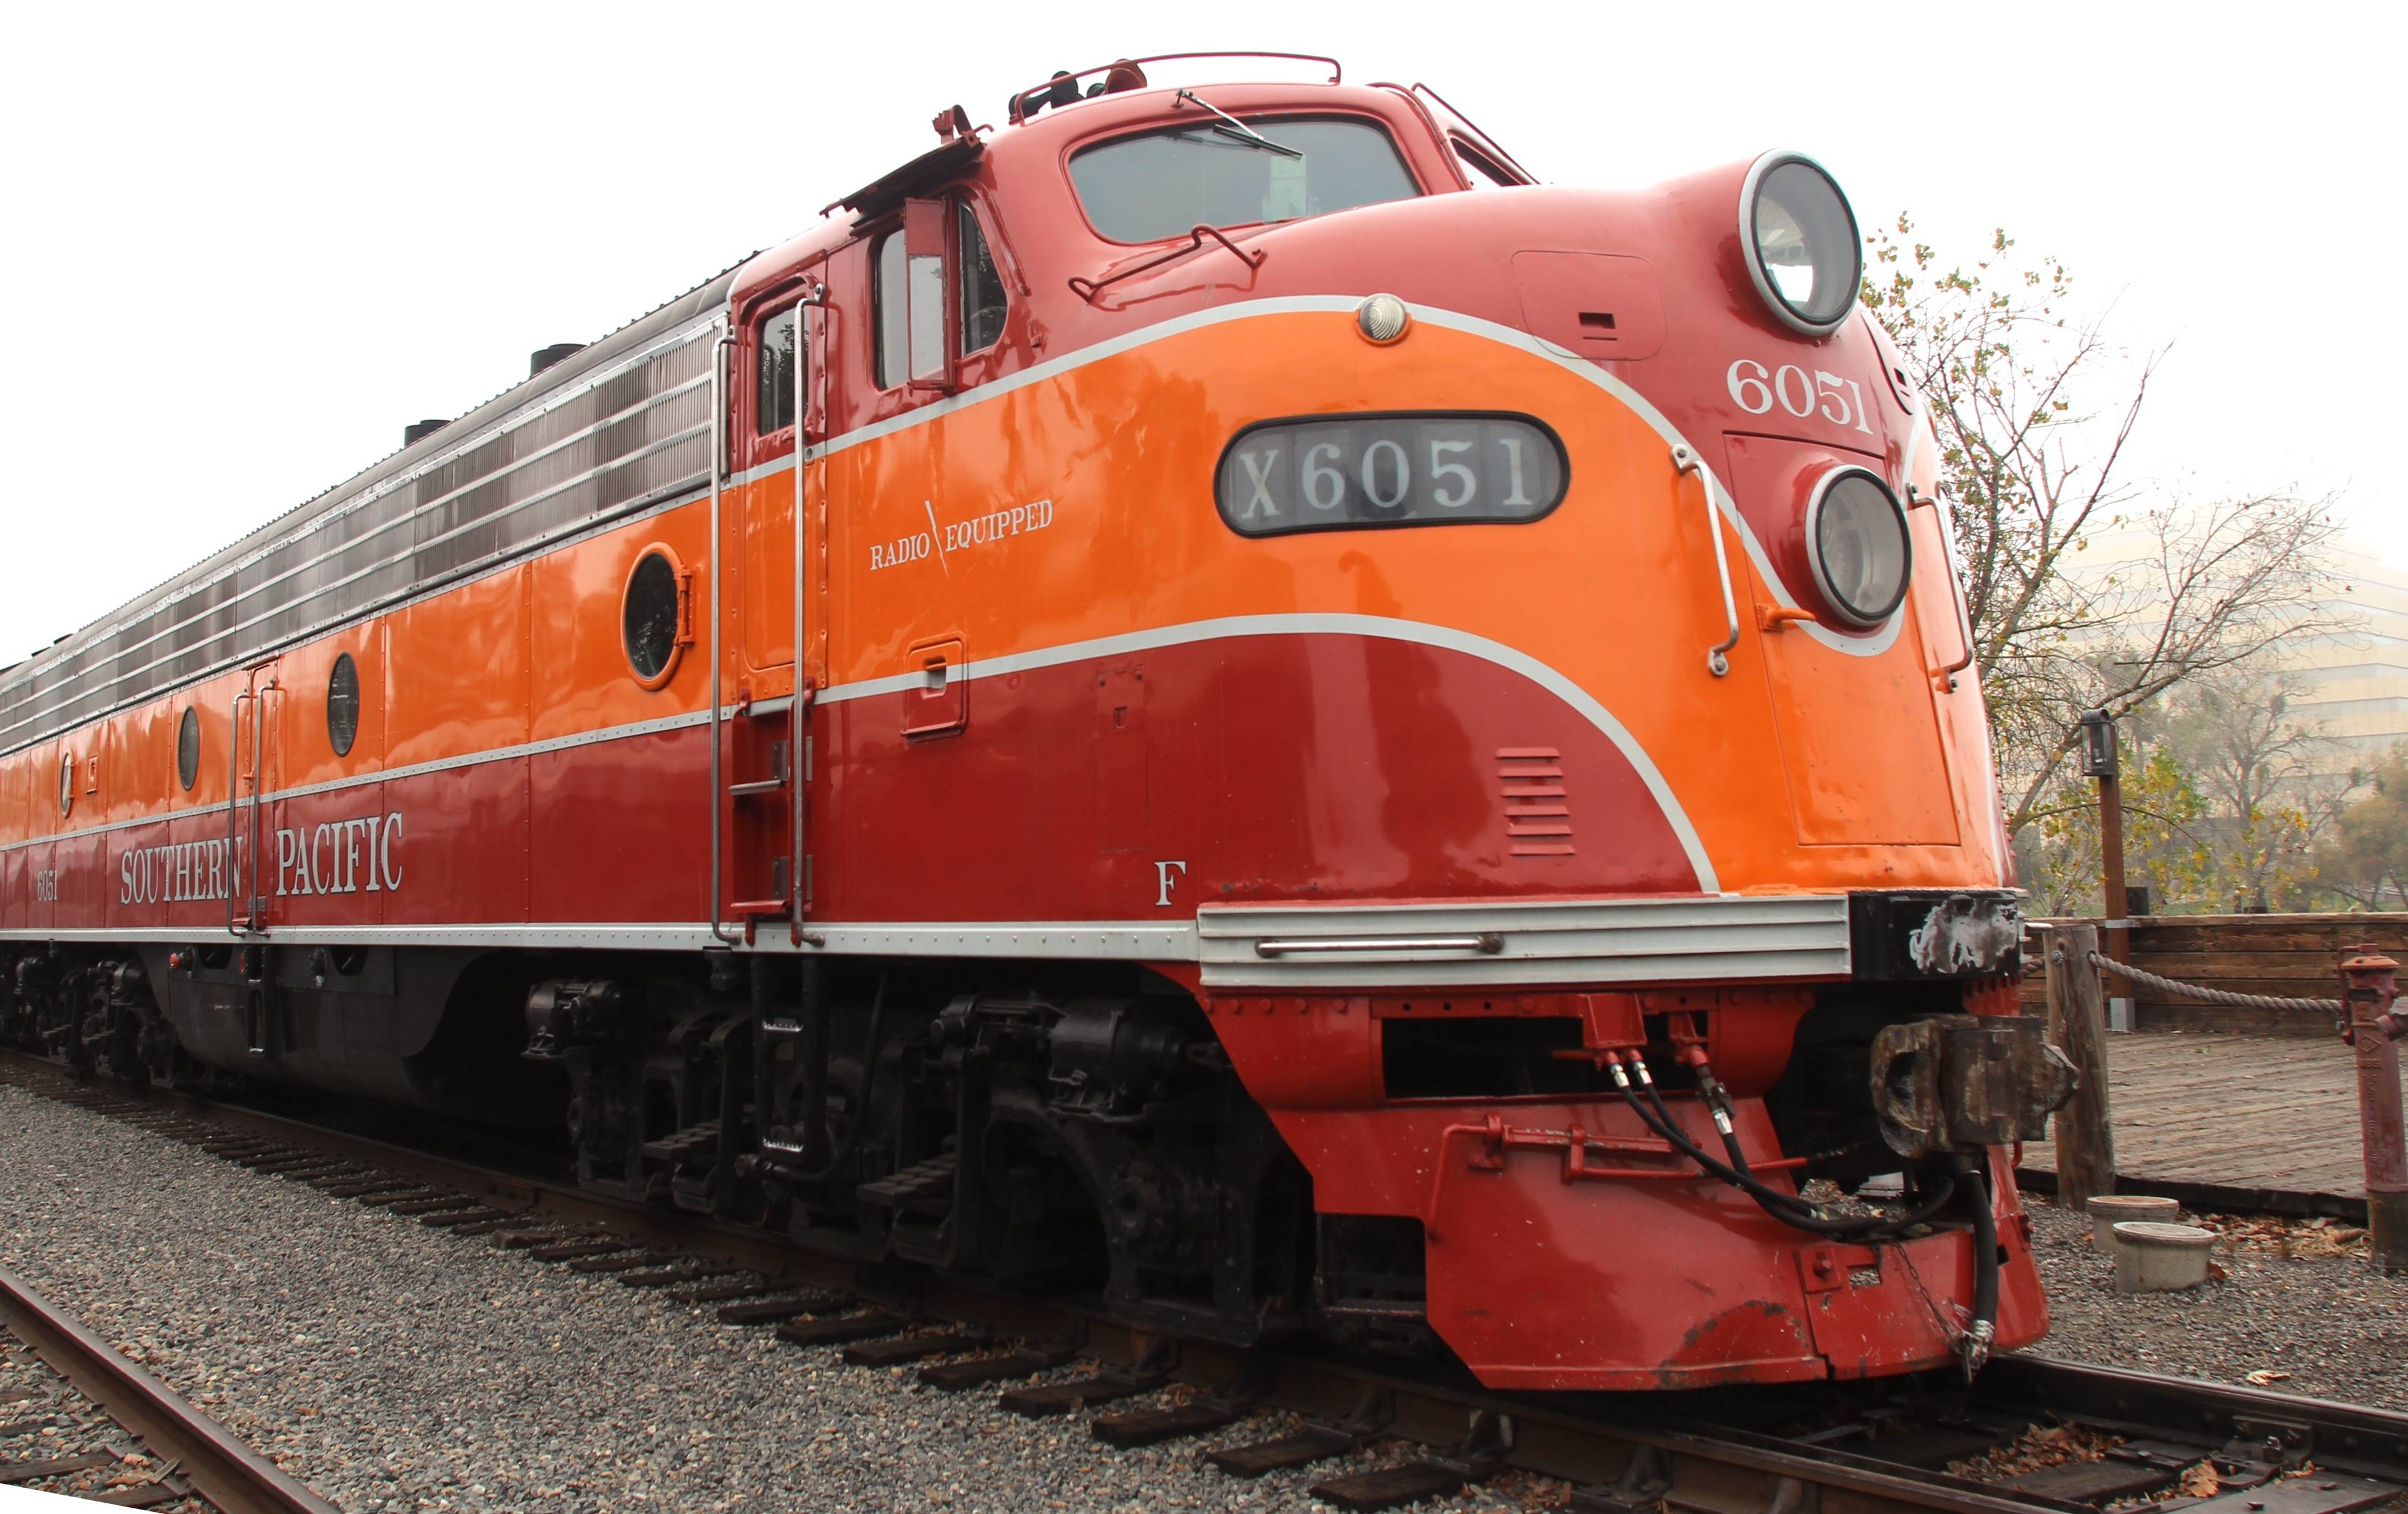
x=2216 y=996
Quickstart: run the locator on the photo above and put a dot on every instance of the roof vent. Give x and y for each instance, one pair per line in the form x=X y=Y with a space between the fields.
x=546 y=356
x=416 y=431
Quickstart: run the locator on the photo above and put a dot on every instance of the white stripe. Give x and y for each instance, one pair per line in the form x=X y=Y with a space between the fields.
x=1118 y=940
x=1573 y=363
x=1333 y=624
x=415 y=770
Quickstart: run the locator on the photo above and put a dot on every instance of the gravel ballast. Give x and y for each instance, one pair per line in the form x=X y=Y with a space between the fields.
x=2318 y=1325
x=393 y=1367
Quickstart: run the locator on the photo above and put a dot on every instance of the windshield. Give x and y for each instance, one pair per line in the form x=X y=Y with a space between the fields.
x=1141 y=189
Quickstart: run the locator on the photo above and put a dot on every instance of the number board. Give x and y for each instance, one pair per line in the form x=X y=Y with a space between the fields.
x=1330 y=473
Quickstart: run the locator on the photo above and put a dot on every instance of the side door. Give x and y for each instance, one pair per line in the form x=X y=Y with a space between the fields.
x=251 y=837
x=770 y=743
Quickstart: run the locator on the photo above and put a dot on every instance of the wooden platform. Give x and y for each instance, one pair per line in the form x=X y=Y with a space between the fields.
x=2276 y=1115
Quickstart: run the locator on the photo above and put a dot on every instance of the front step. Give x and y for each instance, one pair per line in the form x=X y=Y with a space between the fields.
x=930 y=1179
x=696 y=1142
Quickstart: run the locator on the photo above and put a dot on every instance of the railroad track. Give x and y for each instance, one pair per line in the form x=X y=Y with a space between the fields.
x=194 y=1454
x=2104 y=1439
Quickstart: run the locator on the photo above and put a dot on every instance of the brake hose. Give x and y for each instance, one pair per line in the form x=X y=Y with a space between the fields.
x=1984 y=1328
x=1786 y=1207
x=1979 y=1331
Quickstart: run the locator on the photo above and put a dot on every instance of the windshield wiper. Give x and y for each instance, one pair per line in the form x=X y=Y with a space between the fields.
x=1239 y=130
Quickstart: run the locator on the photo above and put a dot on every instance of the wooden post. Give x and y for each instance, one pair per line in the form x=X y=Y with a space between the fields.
x=2077 y=1026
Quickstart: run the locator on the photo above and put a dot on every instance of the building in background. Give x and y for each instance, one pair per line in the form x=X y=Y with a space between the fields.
x=2354 y=681
x=2349 y=683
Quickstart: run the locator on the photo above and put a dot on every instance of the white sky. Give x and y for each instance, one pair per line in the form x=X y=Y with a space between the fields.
x=246 y=244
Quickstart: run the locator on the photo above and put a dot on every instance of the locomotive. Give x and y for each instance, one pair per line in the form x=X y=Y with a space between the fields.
x=1210 y=696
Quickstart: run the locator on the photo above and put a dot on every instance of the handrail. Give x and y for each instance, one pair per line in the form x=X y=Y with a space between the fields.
x=719 y=351
x=234 y=800
x=1956 y=581
x=798 y=710
x=1686 y=460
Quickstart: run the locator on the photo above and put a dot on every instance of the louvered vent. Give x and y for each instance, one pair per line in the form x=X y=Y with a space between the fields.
x=1538 y=820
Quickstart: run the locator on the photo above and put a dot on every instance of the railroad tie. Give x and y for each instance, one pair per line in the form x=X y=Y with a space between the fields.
x=359 y=1188
x=662 y=1276
x=1312 y=1442
x=573 y=1251
x=459 y=1220
x=146 y=1494
x=402 y=1196
x=617 y=1262
x=532 y=1234
x=902 y=1349
x=441 y=1203
x=1481 y=1456
x=1151 y=1371
x=56 y=1467
x=841 y=1329
x=771 y=1311
x=752 y=1287
x=1027 y=1362
x=1132 y=1429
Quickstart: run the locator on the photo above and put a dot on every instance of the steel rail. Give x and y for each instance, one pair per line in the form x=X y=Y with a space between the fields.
x=1585 y=1439
x=222 y=1469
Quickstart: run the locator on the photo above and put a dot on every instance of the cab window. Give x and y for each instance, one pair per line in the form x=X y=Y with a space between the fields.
x=982 y=298
x=1145 y=188
x=778 y=353
x=910 y=320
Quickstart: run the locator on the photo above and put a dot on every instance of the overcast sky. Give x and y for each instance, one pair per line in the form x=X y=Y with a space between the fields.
x=247 y=244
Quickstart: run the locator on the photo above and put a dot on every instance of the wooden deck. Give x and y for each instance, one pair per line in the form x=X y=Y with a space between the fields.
x=2241 y=1112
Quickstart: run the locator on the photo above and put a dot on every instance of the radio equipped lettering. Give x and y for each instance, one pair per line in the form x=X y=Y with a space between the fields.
x=1326 y=472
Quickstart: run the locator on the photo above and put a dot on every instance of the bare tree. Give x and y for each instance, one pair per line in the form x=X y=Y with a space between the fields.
x=2273 y=782
x=2033 y=411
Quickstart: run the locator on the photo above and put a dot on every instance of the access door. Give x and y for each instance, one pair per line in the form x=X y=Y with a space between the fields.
x=768 y=741
x=256 y=740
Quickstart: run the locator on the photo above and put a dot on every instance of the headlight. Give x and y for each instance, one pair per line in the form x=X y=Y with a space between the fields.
x=1857 y=543
x=1802 y=247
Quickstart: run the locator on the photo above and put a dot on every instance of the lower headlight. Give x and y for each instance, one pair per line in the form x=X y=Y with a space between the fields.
x=1857 y=545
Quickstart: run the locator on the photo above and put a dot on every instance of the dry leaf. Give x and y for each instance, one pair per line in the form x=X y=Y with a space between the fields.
x=2199 y=1480
x=2264 y=1375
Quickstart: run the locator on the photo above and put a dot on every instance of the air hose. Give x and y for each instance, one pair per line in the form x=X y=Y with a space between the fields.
x=1786 y=1207
x=1984 y=1329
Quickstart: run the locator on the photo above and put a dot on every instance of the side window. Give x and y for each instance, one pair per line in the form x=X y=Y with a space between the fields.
x=777 y=360
x=1484 y=173
x=983 y=299
x=910 y=316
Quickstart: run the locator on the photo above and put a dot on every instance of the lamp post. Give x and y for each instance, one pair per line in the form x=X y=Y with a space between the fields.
x=2102 y=759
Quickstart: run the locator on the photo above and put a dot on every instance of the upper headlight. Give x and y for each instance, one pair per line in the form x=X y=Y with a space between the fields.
x=1857 y=543
x=1802 y=247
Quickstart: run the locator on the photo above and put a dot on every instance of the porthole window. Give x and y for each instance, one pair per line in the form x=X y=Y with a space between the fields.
x=342 y=705
x=188 y=748
x=67 y=783
x=649 y=620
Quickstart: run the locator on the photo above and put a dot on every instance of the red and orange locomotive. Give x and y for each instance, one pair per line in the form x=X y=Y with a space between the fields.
x=1210 y=696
